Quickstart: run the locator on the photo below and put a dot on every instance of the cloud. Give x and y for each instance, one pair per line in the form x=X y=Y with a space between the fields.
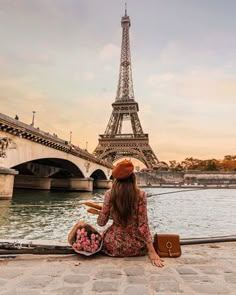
x=201 y=86
x=197 y=85
x=86 y=76
x=109 y=52
x=54 y=115
x=162 y=78
x=170 y=53
x=31 y=7
x=33 y=58
x=108 y=68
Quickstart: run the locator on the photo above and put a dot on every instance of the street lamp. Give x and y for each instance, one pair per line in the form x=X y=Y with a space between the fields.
x=70 y=136
x=32 y=124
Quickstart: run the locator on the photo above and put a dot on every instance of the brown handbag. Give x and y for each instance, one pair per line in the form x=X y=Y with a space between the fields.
x=167 y=245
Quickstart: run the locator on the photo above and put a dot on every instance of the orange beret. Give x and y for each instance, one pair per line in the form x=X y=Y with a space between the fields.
x=123 y=169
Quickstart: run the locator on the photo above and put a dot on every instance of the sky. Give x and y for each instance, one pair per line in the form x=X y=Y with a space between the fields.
x=60 y=58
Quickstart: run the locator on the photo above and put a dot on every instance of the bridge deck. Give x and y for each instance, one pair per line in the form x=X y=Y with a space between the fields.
x=18 y=128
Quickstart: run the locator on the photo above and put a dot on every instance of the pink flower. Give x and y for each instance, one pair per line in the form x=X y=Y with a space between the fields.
x=87 y=240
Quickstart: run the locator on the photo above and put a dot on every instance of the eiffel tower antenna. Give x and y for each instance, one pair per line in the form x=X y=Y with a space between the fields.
x=114 y=144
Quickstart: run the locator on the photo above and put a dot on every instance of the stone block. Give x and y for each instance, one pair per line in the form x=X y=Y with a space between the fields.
x=76 y=279
x=49 y=271
x=165 y=286
x=163 y=277
x=228 y=270
x=21 y=292
x=67 y=291
x=81 y=269
x=230 y=278
x=209 y=269
x=2 y=282
x=134 y=271
x=34 y=282
x=198 y=278
x=9 y=273
x=195 y=259
x=111 y=274
x=137 y=280
x=208 y=288
x=185 y=271
x=105 y=286
x=136 y=290
x=136 y=258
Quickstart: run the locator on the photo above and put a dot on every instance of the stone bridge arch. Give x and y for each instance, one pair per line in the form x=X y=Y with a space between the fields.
x=49 y=167
x=100 y=179
x=98 y=175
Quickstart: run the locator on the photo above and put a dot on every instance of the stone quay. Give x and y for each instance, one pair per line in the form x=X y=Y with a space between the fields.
x=202 y=269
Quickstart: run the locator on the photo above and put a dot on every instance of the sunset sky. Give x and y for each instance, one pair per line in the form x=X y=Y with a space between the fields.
x=60 y=58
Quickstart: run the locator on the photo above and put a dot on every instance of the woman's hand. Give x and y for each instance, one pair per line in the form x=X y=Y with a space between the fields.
x=156 y=260
x=154 y=257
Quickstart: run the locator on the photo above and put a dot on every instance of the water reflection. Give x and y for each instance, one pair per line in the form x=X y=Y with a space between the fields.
x=50 y=215
x=4 y=210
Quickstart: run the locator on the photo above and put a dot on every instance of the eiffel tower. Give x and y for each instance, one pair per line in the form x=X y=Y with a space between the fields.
x=114 y=144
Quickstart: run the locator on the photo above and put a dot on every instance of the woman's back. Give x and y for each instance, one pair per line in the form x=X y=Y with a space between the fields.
x=129 y=239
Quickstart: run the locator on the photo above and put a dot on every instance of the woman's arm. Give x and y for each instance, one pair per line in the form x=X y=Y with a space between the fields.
x=104 y=214
x=154 y=257
x=144 y=230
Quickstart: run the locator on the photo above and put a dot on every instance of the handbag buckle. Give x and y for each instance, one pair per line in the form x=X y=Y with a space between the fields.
x=169 y=246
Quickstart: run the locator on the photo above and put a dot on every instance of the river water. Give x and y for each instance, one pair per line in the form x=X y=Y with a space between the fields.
x=50 y=215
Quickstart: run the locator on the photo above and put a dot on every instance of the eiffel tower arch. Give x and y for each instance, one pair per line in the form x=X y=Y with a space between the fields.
x=114 y=144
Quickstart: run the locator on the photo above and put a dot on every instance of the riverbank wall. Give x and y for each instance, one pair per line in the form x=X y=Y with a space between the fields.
x=211 y=179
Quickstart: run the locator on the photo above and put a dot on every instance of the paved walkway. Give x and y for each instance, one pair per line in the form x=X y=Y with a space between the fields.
x=202 y=269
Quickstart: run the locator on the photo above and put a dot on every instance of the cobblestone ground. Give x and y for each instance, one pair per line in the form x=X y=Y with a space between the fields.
x=202 y=269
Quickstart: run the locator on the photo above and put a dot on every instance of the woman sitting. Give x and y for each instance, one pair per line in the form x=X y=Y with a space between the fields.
x=126 y=204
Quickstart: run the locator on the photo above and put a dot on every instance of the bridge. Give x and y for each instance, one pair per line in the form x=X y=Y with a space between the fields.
x=32 y=158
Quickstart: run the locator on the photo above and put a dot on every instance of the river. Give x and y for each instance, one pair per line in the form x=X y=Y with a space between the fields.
x=44 y=215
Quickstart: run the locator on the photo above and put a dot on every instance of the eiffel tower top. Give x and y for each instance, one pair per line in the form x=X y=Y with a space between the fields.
x=125 y=89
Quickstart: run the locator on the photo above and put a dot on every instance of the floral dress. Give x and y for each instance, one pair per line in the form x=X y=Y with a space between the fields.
x=129 y=240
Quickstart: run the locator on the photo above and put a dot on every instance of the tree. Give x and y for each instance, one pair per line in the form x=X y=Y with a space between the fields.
x=191 y=164
x=230 y=157
x=211 y=165
x=175 y=166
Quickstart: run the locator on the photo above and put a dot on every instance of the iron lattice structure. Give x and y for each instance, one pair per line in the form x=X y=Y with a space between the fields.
x=114 y=144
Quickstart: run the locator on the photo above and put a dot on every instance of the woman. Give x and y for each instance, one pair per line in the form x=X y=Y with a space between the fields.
x=126 y=204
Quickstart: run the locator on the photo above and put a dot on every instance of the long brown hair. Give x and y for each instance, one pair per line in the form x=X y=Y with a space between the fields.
x=123 y=197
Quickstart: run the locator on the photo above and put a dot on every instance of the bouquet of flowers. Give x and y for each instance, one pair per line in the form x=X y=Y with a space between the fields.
x=85 y=239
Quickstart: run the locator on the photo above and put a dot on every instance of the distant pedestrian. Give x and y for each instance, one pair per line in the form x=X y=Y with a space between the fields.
x=16 y=117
